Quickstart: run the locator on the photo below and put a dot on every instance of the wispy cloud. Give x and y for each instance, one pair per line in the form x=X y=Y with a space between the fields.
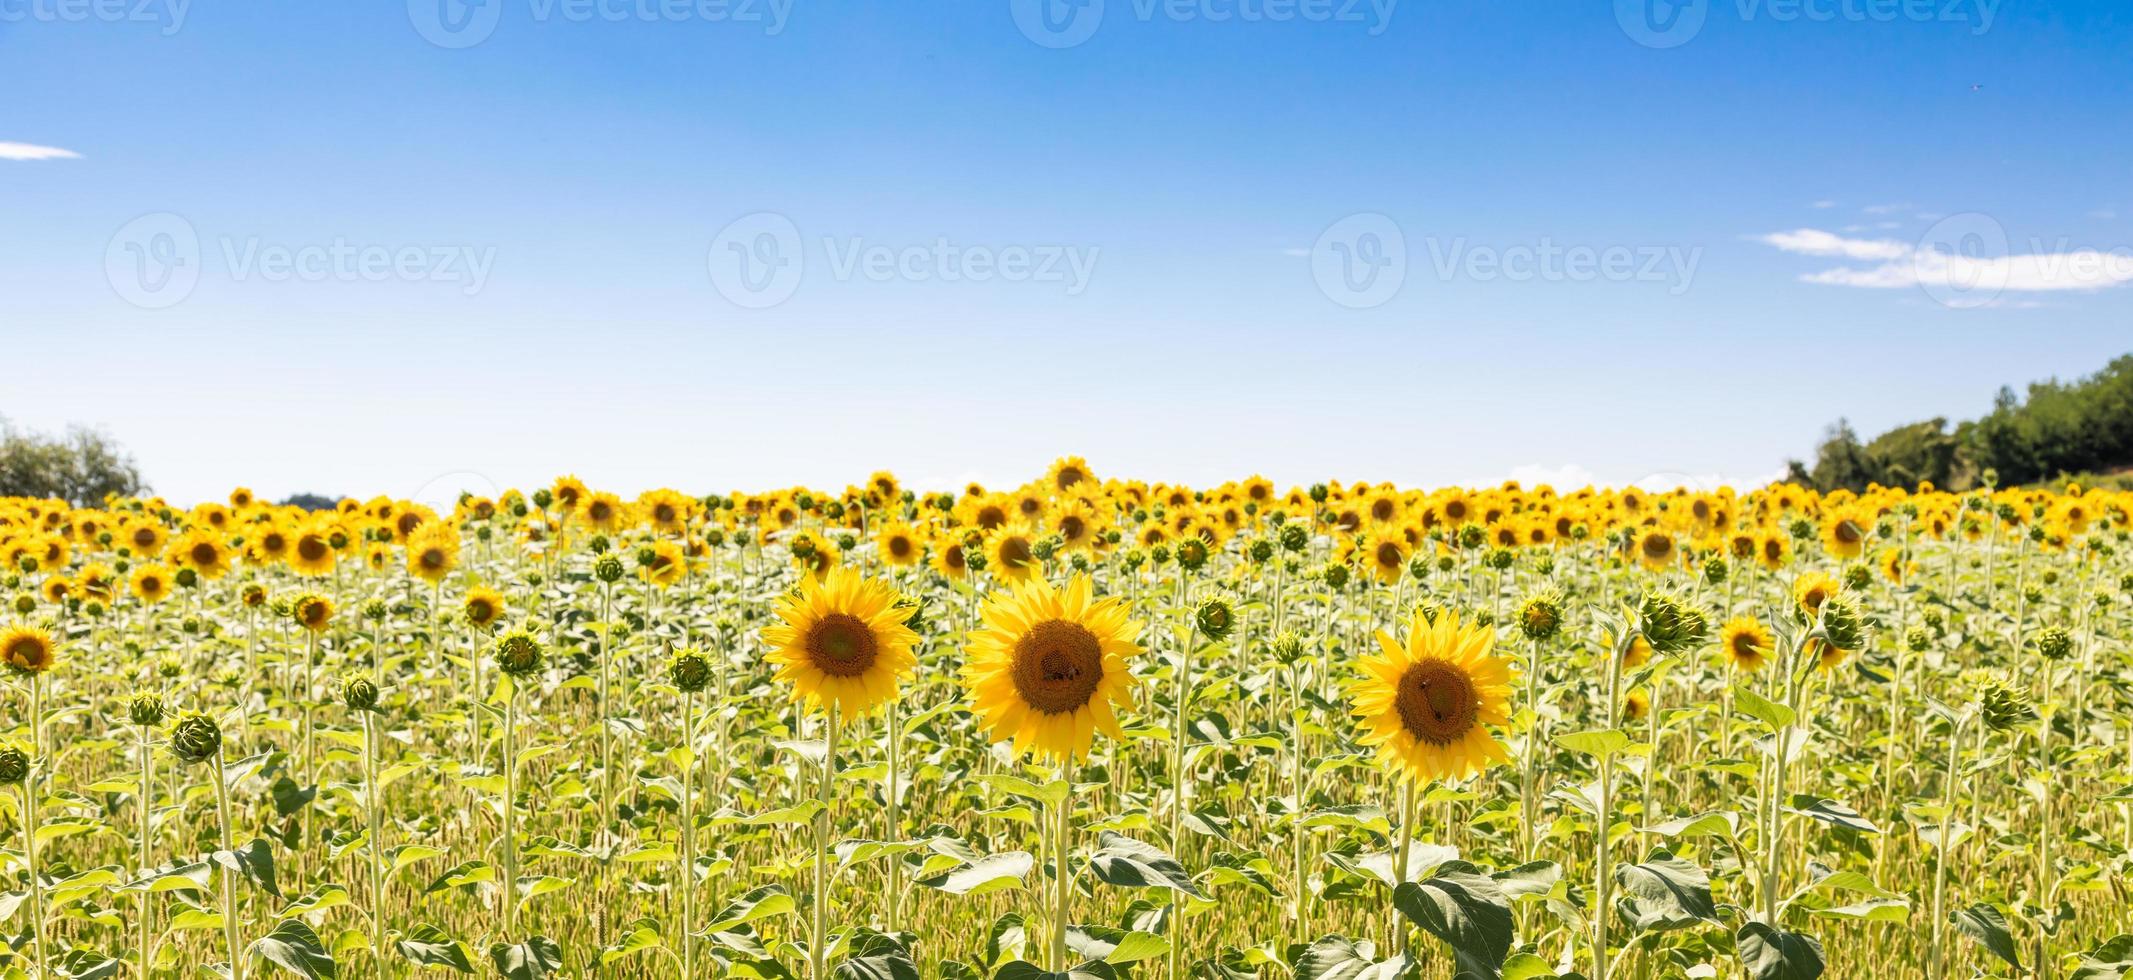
x=1901 y=265
x=1823 y=205
x=31 y=151
x=1885 y=208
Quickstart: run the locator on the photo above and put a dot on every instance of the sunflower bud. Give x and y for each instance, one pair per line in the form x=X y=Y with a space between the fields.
x=196 y=738
x=1858 y=577
x=1335 y=575
x=1471 y=535
x=25 y=604
x=376 y=610
x=1192 y=553
x=518 y=653
x=1420 y=566
x=690 y=670
x=1287 y=648
x=1669 y=624
x=1215 y=619
x=1842 y=623
x=14 y=763
x=2055 y=643
x=359 y=693
x=1917 y=639
x=145 y=709
x=1715 y=570
x=1296 y=537
x=608 y=568
x=1499 y=558
x=2001 y=707
x=1260 y=551
x=1541 y=615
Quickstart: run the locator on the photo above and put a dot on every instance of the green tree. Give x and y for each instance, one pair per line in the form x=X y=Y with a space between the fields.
x=81 y=468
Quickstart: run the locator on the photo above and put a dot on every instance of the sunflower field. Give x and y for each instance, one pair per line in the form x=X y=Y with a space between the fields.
x=1080 y=728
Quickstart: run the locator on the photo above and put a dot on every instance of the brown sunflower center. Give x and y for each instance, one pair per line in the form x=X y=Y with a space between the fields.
x=1747 y=646
x=1658 y=546
x=1388 y=555
x=204 y=554
x=1072 y=527
x=27 y=653
x=841 y=645
x=1437 y=702
x=1068 y=476
x=991 y=516
x=144 y=537
x=1849 y=533
x=433 y=558
x=311 y=549
x=953 y=556
x=481 y=610
x=1058 y=665
x=1381 y=510
x=1015 y=552
x=900 y=546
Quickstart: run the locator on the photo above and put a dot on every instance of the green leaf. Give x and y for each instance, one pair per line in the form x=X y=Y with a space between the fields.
x=467 y=874
x=989 y=873
x=1665 y=892
x=1023 y=970
x=1831 y=812
x=1341 y=958
x=428 y=945
x=1716 y=823
x=317 y=900
x=531 y=887
x=1467 y=910
x=880 y=966
x=1598 y=742
x=1988 y=926
x=762 y=903
x=537 y=957
x=1422 y=859
x=295 y=948
x=643 y=934
x=2111 y=961
x=1121 y=860
x=1773 y=715
x=255 y=861
x=407 y=854
x=1136 y=946
x=1049 y=794
x=1768 y=953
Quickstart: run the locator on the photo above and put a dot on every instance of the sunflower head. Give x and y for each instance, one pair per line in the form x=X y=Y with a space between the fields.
x=1049 y=667
x=1425 y=701
x=483 y=607
x=841 y=640
x=146 y=709
x=14 y=762
x=26 y=649
x=689 y=669
x=359 y=693
x=1745 y=643
x=196 y=738
x=312 y=611
x=518 y=653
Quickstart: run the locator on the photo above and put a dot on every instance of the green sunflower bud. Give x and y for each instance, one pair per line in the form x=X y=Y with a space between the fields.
x=690 y=670
x=1296 y=537
x=1917 y=639
x=1715 y=570
x=14 y=763
x=359 y=693
x=1215 y=619
x=1842 y=623
x=145 y=709
x=1541 y=615
x=608 y=568
x=1858 y=577
x=2001 y=707
x=2055 y=643
x=1335 y=575
x=1287 y=648
x=518 y=653
x=1669 y=624
x=196 y=738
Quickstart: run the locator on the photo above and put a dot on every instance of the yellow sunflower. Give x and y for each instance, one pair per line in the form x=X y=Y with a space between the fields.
x=433 y=552
x=898 y=546
x=1069 y=472
x=1011 y=552
x=841 y=640
x=312 y=551
x=1425 y=702
x=202 y=551
x=483 y=607
x=1656 y=549
x=1048 y=668
x=26 y=649
x=1745 y=643
x=1844 y=533
x=312 y=611
x=151 y=583
x=669 y=564
x=1813 y=589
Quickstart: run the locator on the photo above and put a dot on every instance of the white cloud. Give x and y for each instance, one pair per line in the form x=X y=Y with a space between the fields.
x=1903 y=265
x=2104 y=214
x=31 y=151
x=1824 y=205
x=1884 y=208
x=1810 y=241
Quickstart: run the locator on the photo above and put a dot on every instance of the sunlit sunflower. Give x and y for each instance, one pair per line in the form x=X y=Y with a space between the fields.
x=1635 y=705
x=602 y=512
x=1010 y=552
x=948 y=558
x=1069 y=472
x=201 y=550
x=1388 y=558
x=151 y=583
x=312 y=552
x=1049 y=667
x=1656 y=549
x=1894 y=567
x=669 y=564
x=483 y=607
x=312 y=611
x=841 y=640
x=56 y=589
x=1772 y=550
x=26 y=649
x=1844 y=532
x=433 y=552
x=1425 y=702
x=270 y=544
x=1745 y=643
x=898 y=545
x=144 y=537
x=1813 y=589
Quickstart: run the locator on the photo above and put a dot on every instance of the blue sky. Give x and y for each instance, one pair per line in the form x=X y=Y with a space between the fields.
x=737 y=245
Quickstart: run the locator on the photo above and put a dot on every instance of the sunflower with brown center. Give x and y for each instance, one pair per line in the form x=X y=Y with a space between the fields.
x=202 y=551
x=482 y=607
x=1048 y=668
x=312 y=611
x=1011 y=552
x=841 y=640
x=898 y=545
x=151 y=583
x=1426 y=703
x=26 y=649
x=1745 y=643
x=433 y=552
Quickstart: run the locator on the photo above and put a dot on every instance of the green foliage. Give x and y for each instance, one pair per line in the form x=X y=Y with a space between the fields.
x=83 y=468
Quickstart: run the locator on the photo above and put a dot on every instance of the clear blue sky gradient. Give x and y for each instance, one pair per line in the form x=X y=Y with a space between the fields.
x=1199 y=161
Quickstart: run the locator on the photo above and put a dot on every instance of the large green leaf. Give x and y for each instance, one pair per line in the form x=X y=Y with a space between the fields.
x=537 y=957
x=1988 y=926
x=430 y=946
x=1768 y=953
x=1121 y=860
x=1466 y=909
x=295 y=948
x=2111 y=961
x=255 y=861
x=1023 y=970
x=761 y=903
x=881 y=966
x=1665 y=892
x=989 y=873
x=1341 y=958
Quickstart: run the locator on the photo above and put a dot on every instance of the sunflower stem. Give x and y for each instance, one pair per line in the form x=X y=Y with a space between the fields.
x=818 y=948
x=229 y=875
